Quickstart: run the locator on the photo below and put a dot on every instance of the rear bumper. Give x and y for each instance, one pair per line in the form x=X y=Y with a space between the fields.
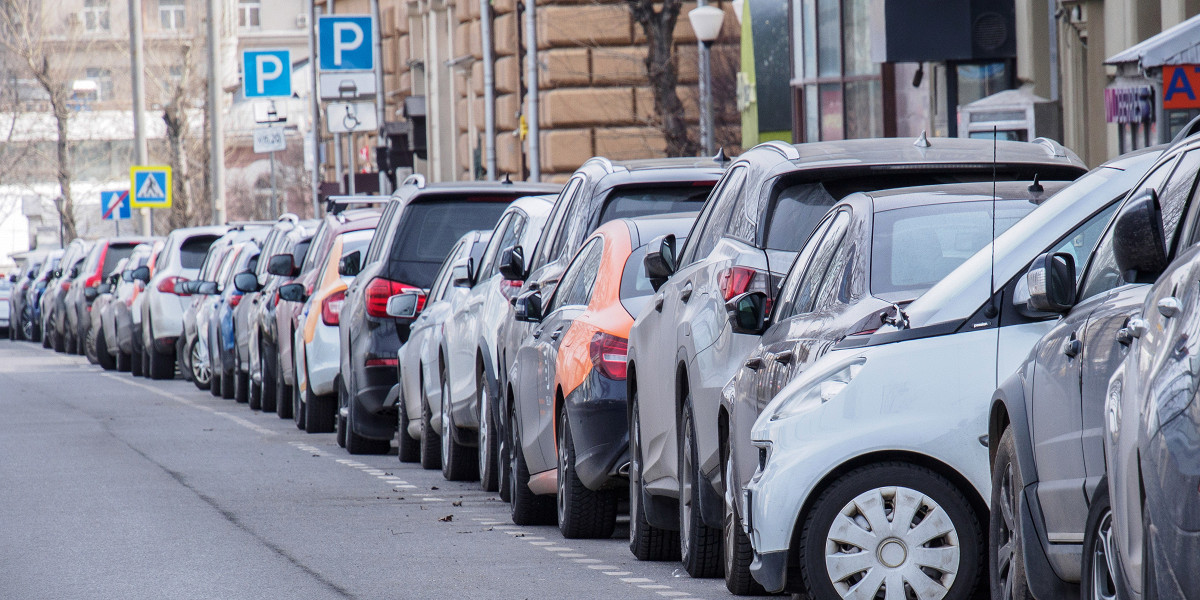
x=372 y=417
x=598 y=413
x=322 y=357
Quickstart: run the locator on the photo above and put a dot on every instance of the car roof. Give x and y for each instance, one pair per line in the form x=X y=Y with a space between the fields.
x=644 y=229
x=904 y=151
x=415 y=186
x=609 y=174
x=926 y=195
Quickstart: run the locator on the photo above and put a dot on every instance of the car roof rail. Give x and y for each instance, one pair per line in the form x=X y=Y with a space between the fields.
x=604 y=163
x=787 y=150
x=1052 y=147
x=290 y=217
x=416 y=179
x=1188 y=131
x=334 y=205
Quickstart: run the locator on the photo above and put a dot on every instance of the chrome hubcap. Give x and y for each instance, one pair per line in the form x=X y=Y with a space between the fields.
x=200 y=368
x=1103 y=586
x=685 y=490
x=446 y=426
x=893 y=540
x=562 y=469
x=484 y=429
x=1006 y=535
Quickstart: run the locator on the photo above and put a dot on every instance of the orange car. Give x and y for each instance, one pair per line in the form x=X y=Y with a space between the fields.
x=571 y=406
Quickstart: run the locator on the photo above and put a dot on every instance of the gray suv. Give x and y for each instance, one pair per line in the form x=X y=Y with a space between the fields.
x=746 y=237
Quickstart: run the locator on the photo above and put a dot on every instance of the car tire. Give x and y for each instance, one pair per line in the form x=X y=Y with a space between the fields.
x=145 y=361
x=736 y=550
x=287 y=398
x=488 y=447
x=340 y=427
x=106 y=361
x=162 y=366
x=214 y=386
x=298 y=409
x=46 y=341
x=137 y=365
x=228 y=385
x=124 y=362
x=503 y=453
x=699 y=544
x=1006 y=558
x=267 y=370
x=320 y=413
x=201 y=372
x=646 y=541
x=241 y=390
x=60 y=345
x=582 y=513
x=834 y=525
x=459 y=462
x=356 y=443
x=525 y=507
x=1098 y=572
x=431 y=442
x=254 y=392
x=408 y=448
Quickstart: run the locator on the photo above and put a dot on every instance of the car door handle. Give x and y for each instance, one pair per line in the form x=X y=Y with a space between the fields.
x=658 y=303
x=783 y=358
x=1072 y=347
x=1169 y=307
x=754 y=363
x=686 y=293
x=1124 y=336
x=537 y=333
x=1136 y=327
x=556 y=334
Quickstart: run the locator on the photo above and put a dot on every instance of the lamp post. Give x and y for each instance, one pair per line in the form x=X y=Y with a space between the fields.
x=706 y=22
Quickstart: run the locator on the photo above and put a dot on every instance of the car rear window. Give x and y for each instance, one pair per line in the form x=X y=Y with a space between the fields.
x=629 y=201
x=428 y=230
x=194 y=249
x=115 y=253
x=915 y=247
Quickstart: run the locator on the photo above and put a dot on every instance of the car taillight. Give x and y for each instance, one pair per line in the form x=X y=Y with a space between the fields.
x=275 y=298
x=66 y=285
x=332 y=307
x=380 y=289
x=382 y=362
x=235 y=299
x=609 y=354
x=92 y=281
x=736 y=281
x=169 y=285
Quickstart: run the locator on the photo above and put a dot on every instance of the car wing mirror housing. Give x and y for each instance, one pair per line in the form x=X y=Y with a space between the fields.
x=528 y=307
x=141 y=274
x=293 y=292
x=90 y=293
x=748 y=312
x=1139 y=244
x=512 y=263
x=403 y=306
x=246 y=282
x=206 y=288
x=283 y=265
x=1051 y=283
x=460 y=275
x=660 y=260
x=350 y=264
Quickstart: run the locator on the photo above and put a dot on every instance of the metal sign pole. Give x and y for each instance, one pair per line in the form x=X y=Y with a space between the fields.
x=274 y=193
x=314 y=178
x=350 y=162
x=137 y=78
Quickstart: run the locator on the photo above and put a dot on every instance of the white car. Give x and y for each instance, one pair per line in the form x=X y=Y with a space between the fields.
x=873 y=470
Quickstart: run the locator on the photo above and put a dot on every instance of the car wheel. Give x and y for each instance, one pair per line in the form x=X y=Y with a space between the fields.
x=60 y=345
x=266 y=385
x=320 y=412
x=699 y=544
x=107 y=361
x=214 y=386
x=408 y=448
x=137 y=367
x=431 y=442
x=891 y=525
x=503 y=455
x=124 y=362
x=458 y=461
x=287 y=397
x=162 y=366
x=254 y=392
x=145 y=360
x=241 y=390
x=646 y=541
x=487 y=447
x=340 y=420
x=1098 y=580
x=735 y=548
x=1006 y=560
x=582 y=512
x=228 y=385
x=356 y=443
x=201 y=373
x=298 y=410
x=526 y=507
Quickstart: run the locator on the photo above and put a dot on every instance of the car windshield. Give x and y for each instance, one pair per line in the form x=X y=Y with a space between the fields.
x=430 y=228
x=915 y=247
x=116 y=252
x=627 y=202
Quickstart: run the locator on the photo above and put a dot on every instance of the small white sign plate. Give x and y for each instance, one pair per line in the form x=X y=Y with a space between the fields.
x=347 y=85
x=269 y=139
x=349 y=117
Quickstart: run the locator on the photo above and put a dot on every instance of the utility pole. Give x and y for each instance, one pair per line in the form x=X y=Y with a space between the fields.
x=314 y=177
x=337 y=141
x=138 y=74
x=489 y=88
x=531 y=66
x=216 y=129
x=380 y=142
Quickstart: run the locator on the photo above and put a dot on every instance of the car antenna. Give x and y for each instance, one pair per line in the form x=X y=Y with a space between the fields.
x=992 y=310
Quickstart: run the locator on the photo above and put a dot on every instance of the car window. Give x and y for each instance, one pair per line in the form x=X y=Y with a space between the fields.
x=546 y=248
x=792 y=213
x=385 y=225
x=115 y=253
x=1174 y=198
x=743 y=221
x=638 y=201
x=575 y=287
x=437 y=289
x=429 y=228
x=787 y=291
x=814 y=271
x=725 y=201
x=1102 y=273
x=507 y=236
x=191 y=252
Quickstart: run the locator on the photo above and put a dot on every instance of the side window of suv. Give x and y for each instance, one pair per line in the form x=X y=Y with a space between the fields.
x=551 y=239
x=816 y=270
x=500 y=240
x=575 y=288
x=379 y=239
x=725 y=201
x=787 y=291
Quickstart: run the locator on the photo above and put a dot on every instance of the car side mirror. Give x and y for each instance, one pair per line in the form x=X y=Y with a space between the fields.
x=403 y=306
x=1139 y=244
x=74 y=273
x=206 y=288
x=245 y=282
x=13 y=278
x=460 y=275
x=512 y=263
x=141 y=274
x=748 y=312
x=105 y=288
x=127 y=276
x=90 y=293
x=528 y=307
x=283 y=265
x=660 y=260
x=1051 y=283
x=292 y=292
x=349 y=265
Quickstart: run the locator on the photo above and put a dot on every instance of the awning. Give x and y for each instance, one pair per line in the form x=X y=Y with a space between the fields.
x=1179 y=45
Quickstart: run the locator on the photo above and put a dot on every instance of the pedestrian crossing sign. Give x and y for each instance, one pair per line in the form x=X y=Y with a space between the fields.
x=150 y=187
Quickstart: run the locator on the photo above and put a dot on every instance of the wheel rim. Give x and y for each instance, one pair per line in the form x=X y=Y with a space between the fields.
x=892 y=539
x=685 y=488
x=561 y=499
x=730 y=522
x=635 y=472
x=513 y=448
x=446 y=423
x=1006 y=534
x=484 y=429
x=1103 y=585
x=200 y=369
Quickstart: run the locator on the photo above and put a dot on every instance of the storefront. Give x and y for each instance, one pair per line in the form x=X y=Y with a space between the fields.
x=1156 y=91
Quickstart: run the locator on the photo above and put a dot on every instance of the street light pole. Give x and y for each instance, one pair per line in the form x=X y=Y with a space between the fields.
x=314 y=178
x=216 y=129
x=531 y=78
x=137 y=77
x=706 y=22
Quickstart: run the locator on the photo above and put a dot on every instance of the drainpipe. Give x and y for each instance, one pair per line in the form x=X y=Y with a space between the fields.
x=489 y=87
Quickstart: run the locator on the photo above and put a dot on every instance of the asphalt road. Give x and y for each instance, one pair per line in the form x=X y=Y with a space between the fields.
x=116 y=487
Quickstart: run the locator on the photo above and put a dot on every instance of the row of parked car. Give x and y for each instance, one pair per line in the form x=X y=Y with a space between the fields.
x=810 y=368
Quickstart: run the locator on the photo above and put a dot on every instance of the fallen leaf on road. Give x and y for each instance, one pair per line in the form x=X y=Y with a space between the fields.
x=456 y=503
x=447 y=518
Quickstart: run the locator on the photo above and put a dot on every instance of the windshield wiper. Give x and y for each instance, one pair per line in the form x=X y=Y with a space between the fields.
x=899 y=319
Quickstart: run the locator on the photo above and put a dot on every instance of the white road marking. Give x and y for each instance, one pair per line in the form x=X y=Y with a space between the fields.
x=602 y=567
x=657 y=586
x=636 y=580
x=673 y=594
x=184 y=401
x=617 y=573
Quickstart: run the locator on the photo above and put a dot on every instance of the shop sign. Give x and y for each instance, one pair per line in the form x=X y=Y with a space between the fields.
x=1129 y=104
x=1181 y=87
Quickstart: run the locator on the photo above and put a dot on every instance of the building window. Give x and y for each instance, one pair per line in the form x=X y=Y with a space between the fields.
x=248 y=14
x=95 y=15
x=838 y=89
x=104 y=82
x=171 y=14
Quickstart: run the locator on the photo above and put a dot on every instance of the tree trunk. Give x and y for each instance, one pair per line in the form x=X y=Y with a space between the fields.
x=663 y=73
x=65 y=203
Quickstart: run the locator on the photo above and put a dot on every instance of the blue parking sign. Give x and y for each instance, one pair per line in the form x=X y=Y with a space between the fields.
x=114 y=205
x=266 y=73
x=346 y=42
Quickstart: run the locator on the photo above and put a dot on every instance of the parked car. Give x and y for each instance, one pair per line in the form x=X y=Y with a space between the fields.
x=192 y=346
x=222 y=336
x=598 y=192
x=765 y=207
x=141 y=277
x=163 y=302
x=423 y=356
x=84 y=289
x=31 y=317
x=6 y=292
x=471 y=343
x=21 y=283
x=898 y=419
x=570 y=373
x=1044 y=428
x=116 y=322
x=96 y=347
x=418 y=227
x=315 y=347
x=54 y=305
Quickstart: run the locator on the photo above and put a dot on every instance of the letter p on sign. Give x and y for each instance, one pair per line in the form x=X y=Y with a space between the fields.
x=266 y=73
x=346 y=42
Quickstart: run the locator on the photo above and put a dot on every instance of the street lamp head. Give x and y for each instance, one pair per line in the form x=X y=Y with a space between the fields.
x=706 y=22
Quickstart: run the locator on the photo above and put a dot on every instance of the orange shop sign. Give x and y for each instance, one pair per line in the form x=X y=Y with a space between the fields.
x=1181 y=87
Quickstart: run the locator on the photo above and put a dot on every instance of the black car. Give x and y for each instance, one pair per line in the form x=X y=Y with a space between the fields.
x=417 y=229
x=598 y=192
x=20 y=289
x=31 y=312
